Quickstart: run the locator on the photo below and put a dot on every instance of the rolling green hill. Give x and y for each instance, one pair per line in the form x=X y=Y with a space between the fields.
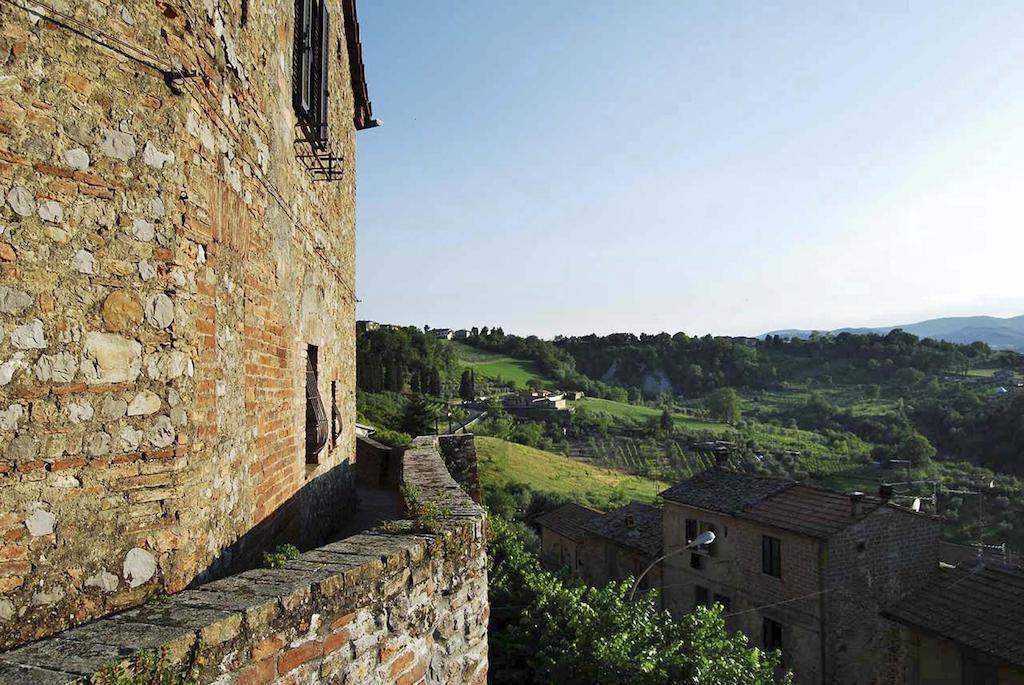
x=497 y=367
x=502 y=462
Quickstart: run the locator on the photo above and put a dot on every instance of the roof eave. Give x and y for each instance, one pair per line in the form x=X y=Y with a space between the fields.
x=362 y=114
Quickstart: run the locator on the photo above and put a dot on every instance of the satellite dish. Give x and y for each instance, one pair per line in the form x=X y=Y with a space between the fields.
x=705 y=538
x=916 y=506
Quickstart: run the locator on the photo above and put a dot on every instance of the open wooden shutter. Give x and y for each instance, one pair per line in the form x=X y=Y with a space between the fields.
x=322 y=61
x=303 y=59
x=316 y=417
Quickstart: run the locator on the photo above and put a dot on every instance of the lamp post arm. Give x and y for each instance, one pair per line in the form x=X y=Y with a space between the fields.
x=636 y=583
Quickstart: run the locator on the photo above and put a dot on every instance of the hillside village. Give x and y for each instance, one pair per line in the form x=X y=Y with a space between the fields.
x=211 y=472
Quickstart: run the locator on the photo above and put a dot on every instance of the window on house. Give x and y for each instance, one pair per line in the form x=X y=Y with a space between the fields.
x=711 y=549
x=611 y=562
x=771 y=556
x=311 y=62
x=701 y=596
x=316 y=418
x=691 y=530
x=696 y=561
x=724 y=601
x=771 y=634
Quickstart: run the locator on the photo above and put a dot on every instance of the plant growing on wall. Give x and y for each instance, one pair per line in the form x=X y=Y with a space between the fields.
x=148 y=668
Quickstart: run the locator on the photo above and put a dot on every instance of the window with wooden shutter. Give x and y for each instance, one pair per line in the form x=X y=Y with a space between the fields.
x=316 y=417
x=771 y=556
x=312 y=66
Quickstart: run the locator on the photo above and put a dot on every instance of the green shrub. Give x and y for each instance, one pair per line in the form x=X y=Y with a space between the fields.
x=392 y=438
x=280 y=555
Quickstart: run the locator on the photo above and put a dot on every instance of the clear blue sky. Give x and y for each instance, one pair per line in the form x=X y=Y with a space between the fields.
x=574 y=167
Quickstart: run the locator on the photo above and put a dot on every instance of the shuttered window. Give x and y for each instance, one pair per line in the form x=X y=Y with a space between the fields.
x=316 y=417
x=771 y=556
x=311 y=65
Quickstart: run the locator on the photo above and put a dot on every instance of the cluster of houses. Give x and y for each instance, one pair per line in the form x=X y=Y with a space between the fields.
x=850 y=587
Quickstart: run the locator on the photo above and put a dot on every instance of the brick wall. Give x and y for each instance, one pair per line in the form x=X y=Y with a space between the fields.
x=378 y=607
x=165 y=259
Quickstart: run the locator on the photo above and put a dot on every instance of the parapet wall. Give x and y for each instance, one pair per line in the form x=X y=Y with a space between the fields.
x=396 y=607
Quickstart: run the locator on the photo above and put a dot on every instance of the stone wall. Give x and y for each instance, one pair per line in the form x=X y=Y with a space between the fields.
x=871 y=564
x=734 y=571
x=398 y=607
x=165 y=259
x=459 y=453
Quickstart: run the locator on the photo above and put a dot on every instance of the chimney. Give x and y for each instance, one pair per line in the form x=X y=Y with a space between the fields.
x=885 y=491
x=856 y=507
x=630 y=521
x=721 y=457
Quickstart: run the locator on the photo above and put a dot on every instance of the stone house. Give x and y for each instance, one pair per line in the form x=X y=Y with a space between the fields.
x=177 y=363
x=562 y=535
x=621 y=544
x=963 y=628
x=797 y=567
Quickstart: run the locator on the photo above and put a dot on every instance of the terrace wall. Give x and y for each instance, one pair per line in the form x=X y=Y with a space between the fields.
x=399 y=607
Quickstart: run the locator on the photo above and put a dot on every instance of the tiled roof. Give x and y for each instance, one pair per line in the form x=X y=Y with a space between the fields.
x=980 y=607
x=810 y=510
x=724 y=491
x=644 y=535
x=784 y=504
x=568 y=520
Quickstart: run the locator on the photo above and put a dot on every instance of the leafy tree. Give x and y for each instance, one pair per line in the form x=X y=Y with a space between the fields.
x=916 y=448
x=467 y=383
x=546 y=628
x=724 y=404
x=665 y=422
x=419 y=416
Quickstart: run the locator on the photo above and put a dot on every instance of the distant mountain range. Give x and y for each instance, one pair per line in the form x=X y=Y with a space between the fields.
x=1000 y=334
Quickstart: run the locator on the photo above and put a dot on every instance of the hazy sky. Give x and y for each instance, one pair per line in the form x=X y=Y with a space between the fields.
x=574 y=167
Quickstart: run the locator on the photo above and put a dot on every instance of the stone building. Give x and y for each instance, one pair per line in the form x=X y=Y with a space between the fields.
x=562 y=535
x=177 y=386
x=621 y=544
x=796 y=567
x=965 y=628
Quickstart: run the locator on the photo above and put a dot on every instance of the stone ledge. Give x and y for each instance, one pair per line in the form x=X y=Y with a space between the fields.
x=227 y=620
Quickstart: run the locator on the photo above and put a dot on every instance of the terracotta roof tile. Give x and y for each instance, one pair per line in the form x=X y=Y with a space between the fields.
x=642 y=533
x=568 y=520
x=980 y=607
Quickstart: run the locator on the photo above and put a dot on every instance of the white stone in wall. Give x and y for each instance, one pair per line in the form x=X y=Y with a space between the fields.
x=29 y=336
x=131 y=438
x=113 y=408
x=110 y=358
x=59 y=368
x=178 y=417
x=64 y=481
x=154 y=157
x=118 y=144
x=156 y=208
x=159 y=311
x=6 y=610
x=126 y=16
x=97 y=444
x=23 y=447
x=80 y=411
x=49 y=598
x=77 y=158
x=167 y=365
x=11 y=417
x=51 y=211
x=146 y=270
x=143 y=230
x=13 y=301
x=40 y=522
x=139 y=567
x=104 y=580
x=21 y=201
x=144 y=403
x=11 y=367
x=84 y=262
x=161 y=433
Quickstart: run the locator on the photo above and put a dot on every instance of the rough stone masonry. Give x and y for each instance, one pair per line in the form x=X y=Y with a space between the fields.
x=166 y=260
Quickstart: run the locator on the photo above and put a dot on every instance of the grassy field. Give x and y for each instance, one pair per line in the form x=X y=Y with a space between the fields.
x=502 y=462
x=497 y=367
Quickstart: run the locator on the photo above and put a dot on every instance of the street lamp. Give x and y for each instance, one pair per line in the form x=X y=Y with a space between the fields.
x=705 y=538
